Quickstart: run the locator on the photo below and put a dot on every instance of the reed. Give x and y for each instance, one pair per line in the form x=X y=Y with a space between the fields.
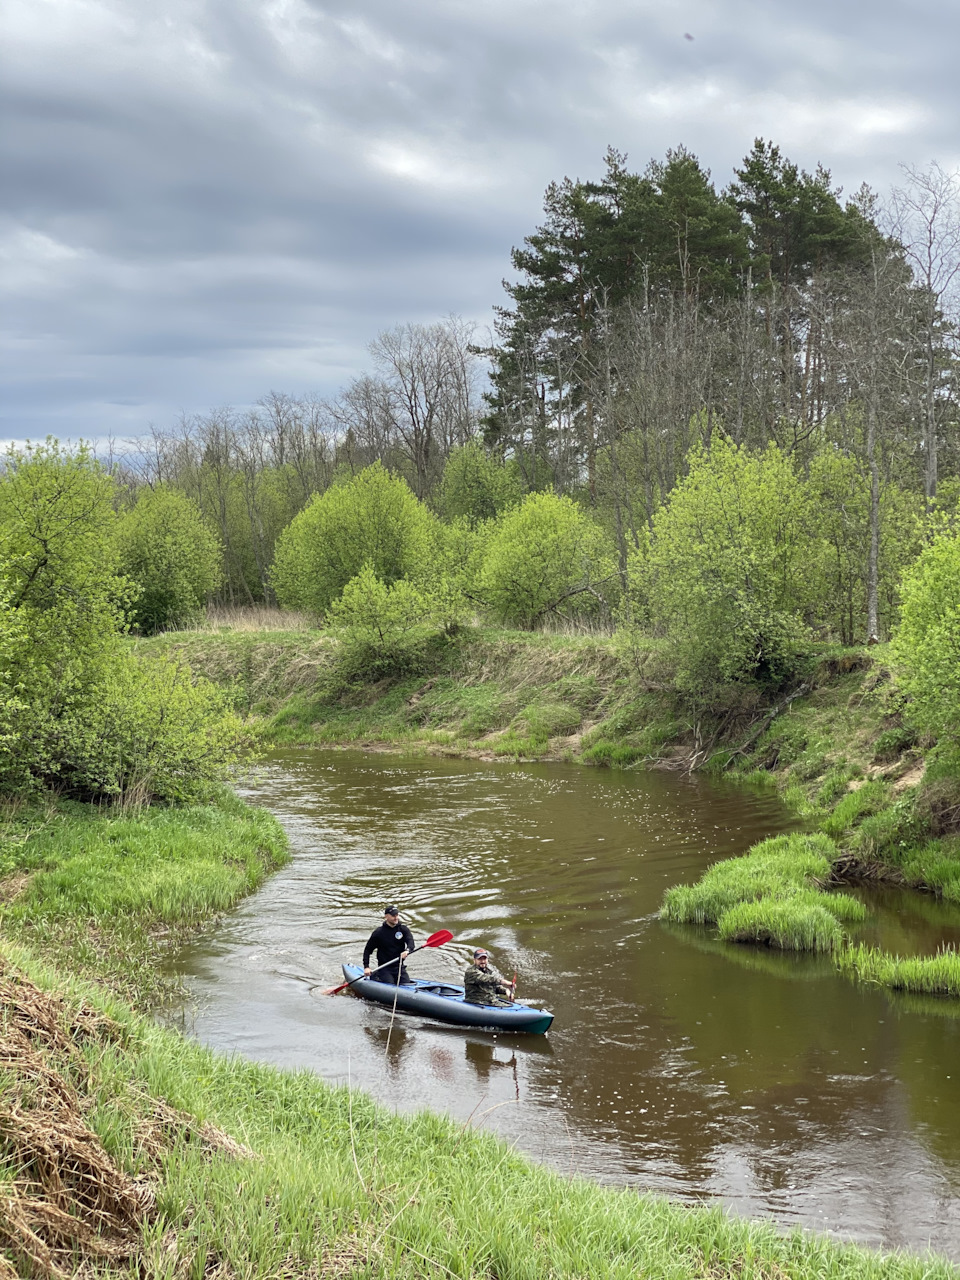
x=937 y=975
x=775 y=868
x=798 y=923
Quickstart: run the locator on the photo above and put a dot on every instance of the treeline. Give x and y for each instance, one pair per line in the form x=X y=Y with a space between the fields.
x=653 y=314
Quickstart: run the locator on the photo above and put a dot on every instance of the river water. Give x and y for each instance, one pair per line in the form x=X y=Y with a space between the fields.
x=675 y=1064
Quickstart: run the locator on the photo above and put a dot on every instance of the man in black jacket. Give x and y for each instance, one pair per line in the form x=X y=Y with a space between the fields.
x=390 y=941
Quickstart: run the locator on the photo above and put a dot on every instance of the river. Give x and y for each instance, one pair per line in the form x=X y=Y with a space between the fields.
x=675 y=1064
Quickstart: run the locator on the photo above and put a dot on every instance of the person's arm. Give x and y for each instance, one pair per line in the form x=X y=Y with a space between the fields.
x=407 y=941
x=371 y=943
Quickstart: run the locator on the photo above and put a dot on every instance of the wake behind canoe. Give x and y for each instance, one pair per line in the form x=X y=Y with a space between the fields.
x=444 y=1001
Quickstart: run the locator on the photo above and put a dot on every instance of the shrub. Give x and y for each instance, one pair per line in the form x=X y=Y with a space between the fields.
x=891 y=744
x=727 y=575
x=148 y=731
x=173 y=557
x=381 y=628
x=927 y=642
x=476 y=487
x=546 y=557
x=372 y=519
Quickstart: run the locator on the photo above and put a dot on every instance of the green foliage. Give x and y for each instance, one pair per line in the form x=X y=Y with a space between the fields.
x=150 y=731
x=933 y=975
x=168 y=551
x=927 y=642
x=76 y=710
x=839 y=485
x=546 y=557
x=727 y=574
x=776 y=868
x=372 y=519
x=381 y=627
x=477 y=486
x=854 y=806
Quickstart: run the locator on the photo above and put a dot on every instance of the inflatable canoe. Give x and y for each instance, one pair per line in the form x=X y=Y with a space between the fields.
x=444 y=1001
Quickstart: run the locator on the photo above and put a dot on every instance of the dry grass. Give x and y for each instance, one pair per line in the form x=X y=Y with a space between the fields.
x=68 y=1201
x=255 y=617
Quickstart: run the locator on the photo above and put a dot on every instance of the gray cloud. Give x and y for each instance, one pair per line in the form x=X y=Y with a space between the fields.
x=206 y=200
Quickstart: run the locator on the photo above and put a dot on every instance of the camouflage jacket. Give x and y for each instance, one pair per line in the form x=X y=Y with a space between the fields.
x=483 y=987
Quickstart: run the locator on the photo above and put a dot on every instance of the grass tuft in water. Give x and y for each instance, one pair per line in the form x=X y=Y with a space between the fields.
x=775 y=868
x=926 y=975
x=797 y=923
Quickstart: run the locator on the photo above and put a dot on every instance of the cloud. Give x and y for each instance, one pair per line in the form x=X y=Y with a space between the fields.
x=209 y=198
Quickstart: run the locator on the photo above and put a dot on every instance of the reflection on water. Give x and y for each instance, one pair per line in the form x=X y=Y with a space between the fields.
x=674 y=1063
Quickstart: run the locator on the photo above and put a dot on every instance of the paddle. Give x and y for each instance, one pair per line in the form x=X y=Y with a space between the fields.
x=435 y=940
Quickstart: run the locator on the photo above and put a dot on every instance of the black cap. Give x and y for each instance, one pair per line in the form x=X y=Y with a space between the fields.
x=391 y=911
x=480 y=952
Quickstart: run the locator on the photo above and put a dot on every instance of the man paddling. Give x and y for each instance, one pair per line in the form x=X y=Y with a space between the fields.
x=483 y=985
x=391 y=941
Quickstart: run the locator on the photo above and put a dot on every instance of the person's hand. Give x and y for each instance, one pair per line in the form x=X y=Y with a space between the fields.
x=366 y=972
x=404 y=954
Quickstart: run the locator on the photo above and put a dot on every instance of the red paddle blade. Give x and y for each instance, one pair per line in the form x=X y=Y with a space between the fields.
x=439 y=938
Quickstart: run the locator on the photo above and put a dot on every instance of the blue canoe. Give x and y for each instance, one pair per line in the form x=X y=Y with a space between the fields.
x=444 y=1001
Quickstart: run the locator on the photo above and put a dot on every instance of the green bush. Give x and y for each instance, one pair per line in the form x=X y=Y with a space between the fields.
x=476 y=487
x=149 y=731
x=382 y=629
x=728 y=573
x=77 y=711
x=927 y=643
x=546 y=557
x=175 y=560
x=372 y=519
x=892 y=743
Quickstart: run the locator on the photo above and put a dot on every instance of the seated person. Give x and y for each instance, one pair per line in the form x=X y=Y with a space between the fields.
x=483 y=985
x=391 y=941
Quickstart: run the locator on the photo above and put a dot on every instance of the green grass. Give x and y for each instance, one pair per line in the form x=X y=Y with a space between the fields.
x=776 y=868
x=336 y=1186
x=797 y=923
x=109 y=892
x=924 y=975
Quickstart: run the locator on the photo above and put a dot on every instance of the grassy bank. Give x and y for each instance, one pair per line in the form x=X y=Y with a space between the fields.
x=108 y=893
x=179 y=1162
x=487 y=693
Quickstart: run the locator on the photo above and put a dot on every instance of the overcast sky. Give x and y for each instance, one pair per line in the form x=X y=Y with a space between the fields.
x=204 y=200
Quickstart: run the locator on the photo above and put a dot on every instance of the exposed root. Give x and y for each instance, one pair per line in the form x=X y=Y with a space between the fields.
x=848 y=869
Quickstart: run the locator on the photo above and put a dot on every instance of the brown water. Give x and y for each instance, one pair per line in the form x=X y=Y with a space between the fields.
x=675 y=1063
